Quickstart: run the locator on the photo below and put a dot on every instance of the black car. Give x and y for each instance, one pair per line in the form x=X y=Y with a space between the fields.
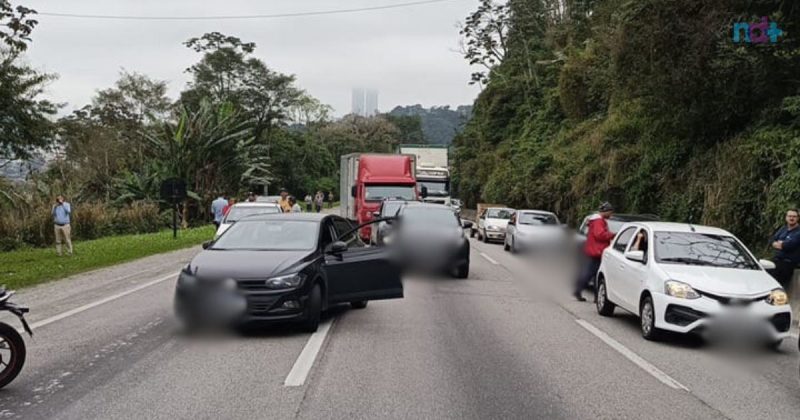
x=388 y=209
x=284 y=268
x=431 y=237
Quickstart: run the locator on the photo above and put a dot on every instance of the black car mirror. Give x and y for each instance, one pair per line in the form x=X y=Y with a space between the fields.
x=466 y=224
x=337 y=247
x=207 y=244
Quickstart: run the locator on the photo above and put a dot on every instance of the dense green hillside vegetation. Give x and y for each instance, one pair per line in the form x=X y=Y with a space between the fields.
x=648 y=104
x=439 y=124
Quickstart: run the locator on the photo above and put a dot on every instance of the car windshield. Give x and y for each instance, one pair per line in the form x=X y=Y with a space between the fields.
x=269 y=235
x=429 y=216
x=382 y=192
x=435 y=188
x=537 y=219
x=498 y=214
x=390 y=208
x=689 y=248
x=237 y=213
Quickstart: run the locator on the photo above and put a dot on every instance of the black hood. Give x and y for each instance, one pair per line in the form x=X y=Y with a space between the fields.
x=213 y=264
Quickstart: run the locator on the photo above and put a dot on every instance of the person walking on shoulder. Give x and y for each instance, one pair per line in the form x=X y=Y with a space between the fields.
x=786 y=243
x=308 y=201
x=319 y=201
x=295 y=207
x=217 y=208
x=598 y=238
x=61 y=213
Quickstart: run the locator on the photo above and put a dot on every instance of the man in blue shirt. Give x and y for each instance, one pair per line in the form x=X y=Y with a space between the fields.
x=61 y=216
x=786 y=243
x=217 y=207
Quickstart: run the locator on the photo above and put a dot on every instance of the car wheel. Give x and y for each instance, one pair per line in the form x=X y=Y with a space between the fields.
x=359 y=304
x=462 y=271
x=647 y=316
x=313 y=309
x=604 y=306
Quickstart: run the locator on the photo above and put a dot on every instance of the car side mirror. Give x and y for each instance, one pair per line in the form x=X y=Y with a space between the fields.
x=424 y=192
x=207 y=244
x=767 y=264
x=337 y=247
x=466 y=224
x=635 y=256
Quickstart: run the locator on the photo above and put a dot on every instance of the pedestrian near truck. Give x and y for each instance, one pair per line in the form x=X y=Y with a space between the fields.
x=786 y=243
x=598 y=238
x=62 y=212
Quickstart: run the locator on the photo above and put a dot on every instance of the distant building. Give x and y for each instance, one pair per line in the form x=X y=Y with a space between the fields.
x=365 y=102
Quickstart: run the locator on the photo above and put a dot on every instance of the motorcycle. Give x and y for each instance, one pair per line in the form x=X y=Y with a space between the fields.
x=12 y=347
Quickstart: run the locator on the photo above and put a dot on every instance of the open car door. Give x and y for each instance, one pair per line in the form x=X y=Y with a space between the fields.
x=356 y=272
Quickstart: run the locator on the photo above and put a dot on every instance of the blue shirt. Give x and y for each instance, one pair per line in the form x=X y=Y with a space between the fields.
x=216 y=208
x=61 y=214
x=791 y=244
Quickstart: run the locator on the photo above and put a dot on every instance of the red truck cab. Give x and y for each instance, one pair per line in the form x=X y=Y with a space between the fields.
x=377 y=177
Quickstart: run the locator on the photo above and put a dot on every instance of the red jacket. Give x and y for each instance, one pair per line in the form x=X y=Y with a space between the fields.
x=598 y=238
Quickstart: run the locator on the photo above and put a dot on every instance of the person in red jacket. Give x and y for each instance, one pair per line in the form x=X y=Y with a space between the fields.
x=597 y=239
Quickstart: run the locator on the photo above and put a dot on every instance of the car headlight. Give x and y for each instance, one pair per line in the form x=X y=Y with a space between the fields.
x=285 y=282
x=680 y=289
x=387 y=239
x=777 y=297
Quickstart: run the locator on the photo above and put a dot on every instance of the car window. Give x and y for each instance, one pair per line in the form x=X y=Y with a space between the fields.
x=326 y=238
x=390 y=208
x=237 y=213
x=623 y=239
x=269 y=235
x=429 y=216
x=341 y=227
x=499 y=214
x=690 y=248
x=381 y=192
x=641 y=243
x=537 y=219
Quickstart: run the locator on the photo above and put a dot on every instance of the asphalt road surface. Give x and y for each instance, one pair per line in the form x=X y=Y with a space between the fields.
x=504 y=343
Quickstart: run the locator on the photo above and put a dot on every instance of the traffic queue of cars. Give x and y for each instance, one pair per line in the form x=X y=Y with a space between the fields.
x=266 y=266
x=677 y=278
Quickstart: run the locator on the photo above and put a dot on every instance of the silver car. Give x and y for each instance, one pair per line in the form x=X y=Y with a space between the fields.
x=530 y=229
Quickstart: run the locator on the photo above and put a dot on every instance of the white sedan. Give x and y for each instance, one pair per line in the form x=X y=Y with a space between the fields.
x=532 y=228
x=240 y=210
x=691 y=279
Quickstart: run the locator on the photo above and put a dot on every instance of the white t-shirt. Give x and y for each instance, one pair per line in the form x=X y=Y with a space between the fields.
x=296 y=208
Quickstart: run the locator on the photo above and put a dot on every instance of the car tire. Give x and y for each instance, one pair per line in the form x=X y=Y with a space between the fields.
x=313 y=309
x=647 y=320
x=604 y=306
x=359 y=304
x=775 y=345
x=462 y=270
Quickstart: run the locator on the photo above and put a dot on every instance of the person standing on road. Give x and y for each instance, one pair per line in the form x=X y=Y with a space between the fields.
x=251 y=197
x=308 y=201
x=319 y=201
x=295 y=207
x=330 y=199
x=61 y=213
x=217 y=207
x=283 y=202
x=598 y=238
x=786 y=243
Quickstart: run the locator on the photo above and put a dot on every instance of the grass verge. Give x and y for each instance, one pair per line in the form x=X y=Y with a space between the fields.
x=27 y=267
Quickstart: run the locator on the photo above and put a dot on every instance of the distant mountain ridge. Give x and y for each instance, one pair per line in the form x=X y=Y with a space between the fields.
x=440 y=124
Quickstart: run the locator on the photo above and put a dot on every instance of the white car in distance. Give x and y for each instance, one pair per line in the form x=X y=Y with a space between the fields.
x=492 y=223
x=691 y=279
x=240 y=210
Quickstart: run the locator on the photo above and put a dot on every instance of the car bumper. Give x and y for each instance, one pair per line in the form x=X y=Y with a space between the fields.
x=703 y=314
x=495 y=235
x=242 y=307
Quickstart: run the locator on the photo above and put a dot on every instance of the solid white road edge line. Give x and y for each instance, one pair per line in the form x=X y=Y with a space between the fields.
x=488 y=258
x=97 y=303
x=305 y=361
x=633 y=357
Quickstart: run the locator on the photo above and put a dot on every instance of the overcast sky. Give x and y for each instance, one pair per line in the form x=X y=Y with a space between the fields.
x=408 y=54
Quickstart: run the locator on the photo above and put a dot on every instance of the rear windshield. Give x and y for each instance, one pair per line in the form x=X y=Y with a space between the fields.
x=537 y=219
x=237 y=213
x=498 y=214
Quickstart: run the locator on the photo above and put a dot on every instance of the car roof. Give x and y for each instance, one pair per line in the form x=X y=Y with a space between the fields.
x=256 y=204
x=682 y=227
x=499 y=208
x=309 y=217
x=424 y=204
x=549 y=213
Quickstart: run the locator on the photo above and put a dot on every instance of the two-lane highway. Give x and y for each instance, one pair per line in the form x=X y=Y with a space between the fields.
x=501 y=344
